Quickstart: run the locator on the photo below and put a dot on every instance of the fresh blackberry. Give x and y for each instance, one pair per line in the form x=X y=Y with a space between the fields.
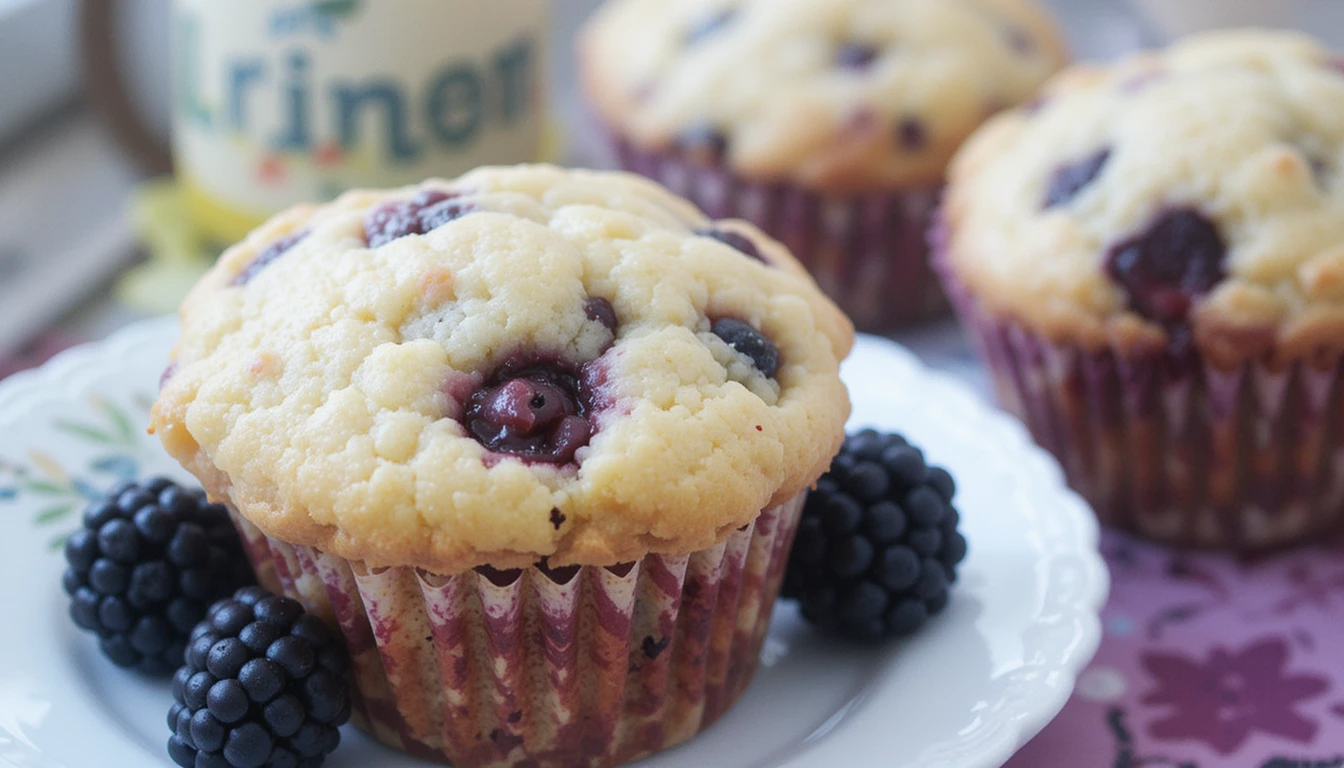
x=878 y=547
x=263 y=685
x=148 y=561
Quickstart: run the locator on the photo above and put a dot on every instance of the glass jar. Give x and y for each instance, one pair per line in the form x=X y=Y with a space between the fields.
x=283 y=101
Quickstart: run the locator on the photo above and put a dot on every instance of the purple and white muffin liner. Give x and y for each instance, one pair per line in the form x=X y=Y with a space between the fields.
x=566 y=667
x=867 y=252
x=1168 y=445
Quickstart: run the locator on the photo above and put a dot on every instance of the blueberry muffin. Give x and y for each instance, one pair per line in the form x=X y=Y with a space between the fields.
x=536 y=440
x=828 y=123
x=1152 y=260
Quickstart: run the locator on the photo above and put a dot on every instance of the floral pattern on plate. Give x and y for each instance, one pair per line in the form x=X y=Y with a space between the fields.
x=110 y=450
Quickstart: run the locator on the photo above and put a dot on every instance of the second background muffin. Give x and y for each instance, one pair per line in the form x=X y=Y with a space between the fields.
x=828 y=123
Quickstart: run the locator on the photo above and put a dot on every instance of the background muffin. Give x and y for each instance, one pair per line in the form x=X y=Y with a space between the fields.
x=529 y=399
x=829 y=123
x=1151 y=259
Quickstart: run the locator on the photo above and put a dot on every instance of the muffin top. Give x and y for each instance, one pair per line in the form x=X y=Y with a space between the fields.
x=522 y=363
x=835 y=95
x=1190 y=196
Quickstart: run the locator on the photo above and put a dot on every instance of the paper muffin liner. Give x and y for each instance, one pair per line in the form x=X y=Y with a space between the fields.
x=566 y=667
x=1169 y=446
x=867 y=252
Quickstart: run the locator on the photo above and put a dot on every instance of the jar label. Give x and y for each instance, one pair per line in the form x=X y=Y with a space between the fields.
x=283 y=101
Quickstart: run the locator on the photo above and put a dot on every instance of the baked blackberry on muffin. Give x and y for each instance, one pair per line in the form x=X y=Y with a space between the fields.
x=535 y=440
x=1152 y=259
x=829 y=123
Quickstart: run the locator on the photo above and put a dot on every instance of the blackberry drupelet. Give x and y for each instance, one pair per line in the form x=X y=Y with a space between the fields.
x=145 y=566
x=878 y=547
x=263 y=686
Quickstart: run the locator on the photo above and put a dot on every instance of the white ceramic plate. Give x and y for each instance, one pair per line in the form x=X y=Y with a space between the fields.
x=967 y=691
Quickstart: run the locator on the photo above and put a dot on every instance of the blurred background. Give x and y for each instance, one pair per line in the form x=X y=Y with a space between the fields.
x=97 y=99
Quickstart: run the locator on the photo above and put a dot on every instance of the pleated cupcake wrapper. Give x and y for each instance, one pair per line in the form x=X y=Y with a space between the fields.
x=868 y=252
x=1169 y=446
x=591 y=666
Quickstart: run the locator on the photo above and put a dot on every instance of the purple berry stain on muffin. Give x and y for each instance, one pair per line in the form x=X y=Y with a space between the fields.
x=535 y=410
x=912 y=134
x=599 y=310
x=856 y=56
x=1177 y=259
x=1019 y=40
x=708 y=26
x=1139 y=82
x=267 y=255
x=1068 y=180
x=750 y=342
x=168 y=373
x=1320 y=170
x=738 y=242
x=428 y=210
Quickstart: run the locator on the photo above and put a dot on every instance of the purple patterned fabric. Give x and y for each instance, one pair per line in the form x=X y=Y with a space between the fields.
x=1209 y=661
